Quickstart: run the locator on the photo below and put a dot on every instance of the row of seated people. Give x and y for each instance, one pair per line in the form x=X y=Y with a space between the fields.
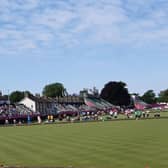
x=12 y=110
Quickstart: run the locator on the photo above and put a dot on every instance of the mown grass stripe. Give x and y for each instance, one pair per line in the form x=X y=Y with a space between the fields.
x=92 y=145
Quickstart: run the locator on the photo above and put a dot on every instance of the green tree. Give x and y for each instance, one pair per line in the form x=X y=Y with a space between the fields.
x=149 y=97
x=163 y=96
x=54 y=90
x=116 y=93
x=16 y=96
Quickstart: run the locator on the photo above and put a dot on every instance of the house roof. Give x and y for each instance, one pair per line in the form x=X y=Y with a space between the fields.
x=39 y=99
x=4 y=98
x=65 y=99
x=69 y=99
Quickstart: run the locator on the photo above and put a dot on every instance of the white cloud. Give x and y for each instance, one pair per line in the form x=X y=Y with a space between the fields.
x=28 y=24
x=53 y=19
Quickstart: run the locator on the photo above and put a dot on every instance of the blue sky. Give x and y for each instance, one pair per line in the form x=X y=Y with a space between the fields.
x=83 y=43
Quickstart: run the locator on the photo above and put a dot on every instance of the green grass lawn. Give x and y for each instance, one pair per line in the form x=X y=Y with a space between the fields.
x=115 y=144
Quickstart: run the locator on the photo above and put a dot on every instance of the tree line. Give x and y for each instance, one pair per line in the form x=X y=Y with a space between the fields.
x=115 y=92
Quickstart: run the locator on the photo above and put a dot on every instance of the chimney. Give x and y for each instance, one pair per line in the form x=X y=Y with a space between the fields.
x=26 y=94
x=37 y=95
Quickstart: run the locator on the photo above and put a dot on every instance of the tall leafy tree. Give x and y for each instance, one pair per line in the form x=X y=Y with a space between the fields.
x=116 y=93
x=149 y=97
x=54 y=90
x=16 y=96
x=163 y=96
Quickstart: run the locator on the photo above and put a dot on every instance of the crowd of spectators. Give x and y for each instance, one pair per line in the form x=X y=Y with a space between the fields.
x=7 y=110
x=66 y=112
x=10 y=113
x=16 y=114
